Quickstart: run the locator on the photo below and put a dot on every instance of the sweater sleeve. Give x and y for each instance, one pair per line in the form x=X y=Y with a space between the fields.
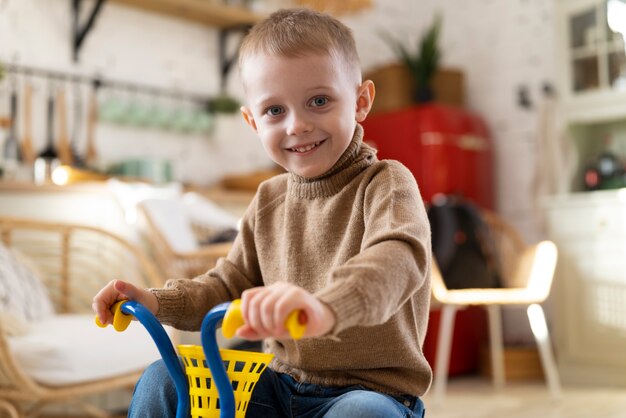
x=183 y=303
x=395 y=256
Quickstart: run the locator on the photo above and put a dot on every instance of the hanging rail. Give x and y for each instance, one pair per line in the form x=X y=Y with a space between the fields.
x=98 y=82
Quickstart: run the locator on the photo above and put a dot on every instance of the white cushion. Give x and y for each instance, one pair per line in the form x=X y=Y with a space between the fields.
x=22 y=293
x=171 y=219
x=67 y=349
x=129 y=195
x=205 y=212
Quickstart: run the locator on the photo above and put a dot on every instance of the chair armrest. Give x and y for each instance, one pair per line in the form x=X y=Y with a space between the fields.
x=194 y=263
x=535 y=269
x=212 y=251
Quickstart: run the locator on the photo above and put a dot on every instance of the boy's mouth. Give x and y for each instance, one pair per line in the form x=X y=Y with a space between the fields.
x=306 y=148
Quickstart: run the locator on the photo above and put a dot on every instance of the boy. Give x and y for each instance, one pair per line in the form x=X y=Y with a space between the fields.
x=341 y=236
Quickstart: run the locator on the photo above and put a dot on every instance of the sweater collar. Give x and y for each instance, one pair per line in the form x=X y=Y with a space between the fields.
x=355 y=159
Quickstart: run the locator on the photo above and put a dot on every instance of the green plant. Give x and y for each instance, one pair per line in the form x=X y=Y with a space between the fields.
x=2 y=71
x=423 y=64
x=223 y=104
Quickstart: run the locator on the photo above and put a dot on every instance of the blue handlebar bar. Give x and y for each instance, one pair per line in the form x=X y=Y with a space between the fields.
x=214 y=360
x=174 y=367
x=166 y=349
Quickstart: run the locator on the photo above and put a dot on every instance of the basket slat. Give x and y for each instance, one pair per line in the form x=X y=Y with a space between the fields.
x=242 y=367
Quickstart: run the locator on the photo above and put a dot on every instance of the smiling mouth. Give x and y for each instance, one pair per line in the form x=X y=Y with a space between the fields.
x=306 y=148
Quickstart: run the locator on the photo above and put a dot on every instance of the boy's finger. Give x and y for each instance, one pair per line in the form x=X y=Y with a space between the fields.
x=127 y=291
x=246 y=300
x=248 y=333
x=122 y=287
x=103 y=314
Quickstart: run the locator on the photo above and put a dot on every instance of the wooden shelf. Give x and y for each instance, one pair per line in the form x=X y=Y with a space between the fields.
x=30 y=187
x=201 y=11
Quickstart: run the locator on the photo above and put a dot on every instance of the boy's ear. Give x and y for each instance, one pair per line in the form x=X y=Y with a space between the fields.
x=248 y=117
x=365 y=99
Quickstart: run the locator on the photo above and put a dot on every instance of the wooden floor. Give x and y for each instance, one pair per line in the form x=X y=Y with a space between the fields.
x=476 y=398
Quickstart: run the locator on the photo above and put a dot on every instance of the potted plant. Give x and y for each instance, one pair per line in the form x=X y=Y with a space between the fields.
x=423 y=63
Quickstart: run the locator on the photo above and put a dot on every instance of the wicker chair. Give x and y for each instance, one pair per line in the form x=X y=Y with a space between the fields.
x=74 y=262
x=527 y=273
x=174 y=236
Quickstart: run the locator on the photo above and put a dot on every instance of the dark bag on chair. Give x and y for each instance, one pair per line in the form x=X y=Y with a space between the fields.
x=462 y=245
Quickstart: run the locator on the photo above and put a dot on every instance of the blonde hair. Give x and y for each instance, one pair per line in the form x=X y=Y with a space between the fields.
x=296 y=32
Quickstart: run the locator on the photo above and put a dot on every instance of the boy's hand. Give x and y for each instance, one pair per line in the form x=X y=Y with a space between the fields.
x=265 y=310
x=118 y=290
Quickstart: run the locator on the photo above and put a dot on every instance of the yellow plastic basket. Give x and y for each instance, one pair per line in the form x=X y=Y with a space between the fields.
x=242 y=367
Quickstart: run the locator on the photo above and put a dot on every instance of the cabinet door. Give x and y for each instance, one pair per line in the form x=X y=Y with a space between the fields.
x=594 y=58
x=590 y=286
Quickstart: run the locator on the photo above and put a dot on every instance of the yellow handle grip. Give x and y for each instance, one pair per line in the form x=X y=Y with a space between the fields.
x=234 y=319
x=120 y=319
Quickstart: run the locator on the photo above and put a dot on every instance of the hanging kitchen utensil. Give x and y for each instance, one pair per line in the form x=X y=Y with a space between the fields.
x=77 y=125
x=28 y=152
x=11 y=152
x=63 y=140
x=91 y=155
x=48 y=159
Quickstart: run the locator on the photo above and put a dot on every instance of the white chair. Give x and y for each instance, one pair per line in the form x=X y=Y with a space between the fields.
x=130 y=194
x=175 y=229
x=175 y=222
x=527 y=272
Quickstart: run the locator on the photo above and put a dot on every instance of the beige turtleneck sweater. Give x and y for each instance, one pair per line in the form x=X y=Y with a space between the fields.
x=357 y=237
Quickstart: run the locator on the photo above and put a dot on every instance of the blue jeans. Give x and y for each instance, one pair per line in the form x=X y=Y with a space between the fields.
x=278 y=395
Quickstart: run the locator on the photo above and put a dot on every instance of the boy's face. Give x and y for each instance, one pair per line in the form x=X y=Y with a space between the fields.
x=304 y=109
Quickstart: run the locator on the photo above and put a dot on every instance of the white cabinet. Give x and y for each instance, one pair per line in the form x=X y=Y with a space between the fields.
x=593 y=61
x=589 y=292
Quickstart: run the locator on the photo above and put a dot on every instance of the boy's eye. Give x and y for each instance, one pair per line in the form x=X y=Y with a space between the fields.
x=274 y=111
x=319 y=101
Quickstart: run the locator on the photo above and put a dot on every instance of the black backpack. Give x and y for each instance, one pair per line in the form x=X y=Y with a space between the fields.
x=463 y=246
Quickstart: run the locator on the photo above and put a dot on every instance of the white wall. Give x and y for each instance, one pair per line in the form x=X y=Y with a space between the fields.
x=499 y=45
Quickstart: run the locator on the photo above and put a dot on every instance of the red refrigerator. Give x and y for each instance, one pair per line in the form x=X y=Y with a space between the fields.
x=449 y=151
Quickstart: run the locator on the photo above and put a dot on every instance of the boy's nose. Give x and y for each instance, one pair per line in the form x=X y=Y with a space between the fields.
x=298 y=125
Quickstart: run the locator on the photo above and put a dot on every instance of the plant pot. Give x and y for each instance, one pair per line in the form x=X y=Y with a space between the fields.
x=395 y=87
